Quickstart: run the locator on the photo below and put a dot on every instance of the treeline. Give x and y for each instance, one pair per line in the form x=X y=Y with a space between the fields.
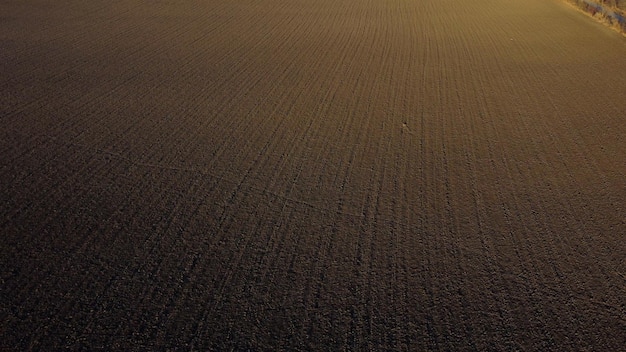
x=611 y=11
x=616 y=4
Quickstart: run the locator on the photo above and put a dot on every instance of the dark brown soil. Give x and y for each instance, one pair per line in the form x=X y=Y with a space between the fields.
x=432 y=175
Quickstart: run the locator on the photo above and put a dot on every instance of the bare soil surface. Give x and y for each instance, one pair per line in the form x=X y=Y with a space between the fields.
x=432 y=175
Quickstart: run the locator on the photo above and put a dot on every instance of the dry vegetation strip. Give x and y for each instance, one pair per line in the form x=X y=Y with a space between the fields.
x=311 y=175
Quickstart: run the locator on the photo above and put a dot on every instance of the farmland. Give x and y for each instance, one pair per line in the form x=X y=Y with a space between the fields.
x=429 y=175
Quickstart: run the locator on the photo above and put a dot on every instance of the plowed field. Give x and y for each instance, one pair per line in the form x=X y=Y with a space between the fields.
x=428 y=175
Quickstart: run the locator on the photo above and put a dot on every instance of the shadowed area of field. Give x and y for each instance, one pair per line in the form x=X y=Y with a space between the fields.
x=432 y=175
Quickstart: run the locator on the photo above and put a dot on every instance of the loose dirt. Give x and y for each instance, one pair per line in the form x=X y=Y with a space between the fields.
x=427 y=175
